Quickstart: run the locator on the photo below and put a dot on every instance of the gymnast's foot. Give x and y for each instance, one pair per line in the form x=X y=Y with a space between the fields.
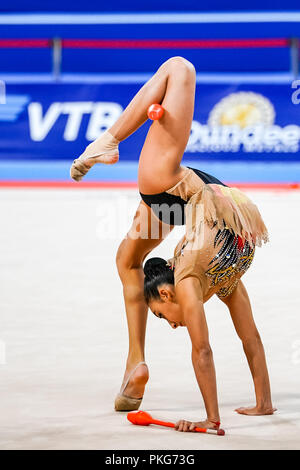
x=132 y=390
x=256 y=410
x=136 y=385
x=105 y=150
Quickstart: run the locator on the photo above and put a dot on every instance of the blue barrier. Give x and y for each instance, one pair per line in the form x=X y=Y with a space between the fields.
x=141 y=25
x=144 y=61
x=126 y=172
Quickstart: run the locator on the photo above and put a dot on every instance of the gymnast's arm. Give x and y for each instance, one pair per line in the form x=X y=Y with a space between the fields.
x=189 y=297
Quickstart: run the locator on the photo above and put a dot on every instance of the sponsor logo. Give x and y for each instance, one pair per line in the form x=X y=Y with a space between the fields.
x=14 y=105
x=240 y=122
x=102 y=116
x=243 y=121
x=242 y=109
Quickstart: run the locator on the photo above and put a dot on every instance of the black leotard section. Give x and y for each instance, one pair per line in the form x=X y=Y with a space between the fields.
x=206 y=177
x=169 y=208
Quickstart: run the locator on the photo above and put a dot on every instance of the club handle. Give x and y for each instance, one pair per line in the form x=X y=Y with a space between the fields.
x=200 y=429
x=172 y=425
x=163 y=423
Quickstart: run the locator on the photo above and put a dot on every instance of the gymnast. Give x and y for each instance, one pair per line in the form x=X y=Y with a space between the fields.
x=223 y=227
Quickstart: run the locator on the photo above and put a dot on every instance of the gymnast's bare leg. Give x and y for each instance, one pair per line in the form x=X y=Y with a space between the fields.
x=173 y=86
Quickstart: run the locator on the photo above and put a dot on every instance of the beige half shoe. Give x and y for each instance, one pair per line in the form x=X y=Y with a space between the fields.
x=105 y=150
x=122 y=401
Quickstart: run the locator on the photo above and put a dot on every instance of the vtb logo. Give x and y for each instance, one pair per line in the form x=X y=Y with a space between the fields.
x=102 y=116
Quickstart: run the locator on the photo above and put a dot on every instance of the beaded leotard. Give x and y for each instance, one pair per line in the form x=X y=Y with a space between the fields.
x=223 y=226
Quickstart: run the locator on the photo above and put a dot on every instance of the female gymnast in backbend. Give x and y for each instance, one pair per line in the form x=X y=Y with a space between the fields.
x=223 y=227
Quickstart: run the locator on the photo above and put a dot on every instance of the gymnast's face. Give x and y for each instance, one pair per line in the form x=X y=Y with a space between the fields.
x=166 y=307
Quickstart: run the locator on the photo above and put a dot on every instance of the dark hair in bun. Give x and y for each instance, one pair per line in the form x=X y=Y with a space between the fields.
x=157 y=272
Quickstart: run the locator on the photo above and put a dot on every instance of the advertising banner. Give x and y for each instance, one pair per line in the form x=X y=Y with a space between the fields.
x=252 y=122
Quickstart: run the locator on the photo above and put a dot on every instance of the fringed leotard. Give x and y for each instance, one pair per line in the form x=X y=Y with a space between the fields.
x=223 y=226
